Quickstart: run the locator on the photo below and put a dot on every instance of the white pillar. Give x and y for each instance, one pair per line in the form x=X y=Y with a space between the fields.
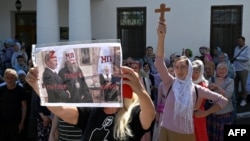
x=47 y=21
x=79 y=20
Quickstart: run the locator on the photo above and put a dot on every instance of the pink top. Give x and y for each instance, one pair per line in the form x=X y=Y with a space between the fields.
x=207 y=57
x=168 y=120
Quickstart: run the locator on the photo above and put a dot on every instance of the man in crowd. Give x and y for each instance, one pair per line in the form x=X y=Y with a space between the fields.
x=241 y=65
x=56 y=90
x=149 y=58
x=13 y=107
x=21 y=64
x=8 y=52
x=72 y=76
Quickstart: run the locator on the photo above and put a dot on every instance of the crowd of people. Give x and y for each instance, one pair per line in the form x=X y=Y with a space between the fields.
x=215 y=72
x=180 y=97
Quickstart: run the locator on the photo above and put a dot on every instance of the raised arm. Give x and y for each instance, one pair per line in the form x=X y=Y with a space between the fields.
x=68 y=114
x=161 y=32
x=166 y=77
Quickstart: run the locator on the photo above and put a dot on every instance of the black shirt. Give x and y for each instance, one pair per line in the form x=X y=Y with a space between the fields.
x=98 y=126
x=11 y=104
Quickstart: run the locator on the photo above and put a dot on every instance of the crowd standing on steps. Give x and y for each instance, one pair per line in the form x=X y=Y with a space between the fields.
x=162 y=82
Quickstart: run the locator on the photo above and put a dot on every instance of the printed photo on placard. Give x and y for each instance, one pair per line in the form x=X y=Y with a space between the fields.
x=79 y=74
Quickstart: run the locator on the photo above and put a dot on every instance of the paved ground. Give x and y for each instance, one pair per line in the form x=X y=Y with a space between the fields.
x=244 y=121
x=243 y=113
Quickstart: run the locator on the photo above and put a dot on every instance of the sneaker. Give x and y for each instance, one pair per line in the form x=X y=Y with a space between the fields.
x=243 y=102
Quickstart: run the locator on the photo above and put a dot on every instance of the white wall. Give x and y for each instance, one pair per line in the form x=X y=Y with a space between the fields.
x=63 y=13
x=7 y=10
x=188 y=22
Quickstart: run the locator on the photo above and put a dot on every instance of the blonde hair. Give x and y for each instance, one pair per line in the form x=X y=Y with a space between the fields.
x=123 y=118
x=10 y=71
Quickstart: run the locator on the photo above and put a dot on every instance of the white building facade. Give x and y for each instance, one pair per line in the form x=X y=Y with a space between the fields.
x=188 y=22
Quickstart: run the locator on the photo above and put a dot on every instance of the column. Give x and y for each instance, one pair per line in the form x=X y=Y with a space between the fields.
x=47 y=21
x=79 y=20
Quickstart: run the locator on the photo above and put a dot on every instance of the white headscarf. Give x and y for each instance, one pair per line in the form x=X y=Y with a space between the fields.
x=183 y=108
x=199 y=64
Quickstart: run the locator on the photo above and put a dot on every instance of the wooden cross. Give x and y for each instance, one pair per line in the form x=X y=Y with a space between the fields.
x=162 y=10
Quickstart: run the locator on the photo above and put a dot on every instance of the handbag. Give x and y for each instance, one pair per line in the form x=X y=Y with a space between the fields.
x=161 y=104
x=160 y=107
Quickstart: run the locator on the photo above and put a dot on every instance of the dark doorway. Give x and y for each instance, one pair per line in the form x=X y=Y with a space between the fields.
x=131 y=30
x=226 y=27
x=26 y=29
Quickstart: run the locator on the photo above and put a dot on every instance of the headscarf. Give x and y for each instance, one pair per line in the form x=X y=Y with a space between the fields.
x=183 y=108
x=190 y=52
x=199 y=64
x=216 y=56
x=226 y=59
x=218 y=50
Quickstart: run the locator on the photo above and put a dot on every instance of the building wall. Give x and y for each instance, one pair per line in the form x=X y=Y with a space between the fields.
x=188 y=22
x=63 y=13
x=7 y=12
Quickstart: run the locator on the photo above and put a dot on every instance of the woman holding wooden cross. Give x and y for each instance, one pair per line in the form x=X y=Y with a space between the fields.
x=180 y=102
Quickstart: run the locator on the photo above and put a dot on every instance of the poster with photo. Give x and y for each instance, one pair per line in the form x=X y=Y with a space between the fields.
x=79 y=74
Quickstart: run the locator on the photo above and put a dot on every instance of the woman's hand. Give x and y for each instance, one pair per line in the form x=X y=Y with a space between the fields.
x=20 y=127
x=147 y=114
x=132 y=79
x=218 y=88
x=200 y=113
x=161 y=30
x=46 y=120
x=32 y=79
x=212 y=86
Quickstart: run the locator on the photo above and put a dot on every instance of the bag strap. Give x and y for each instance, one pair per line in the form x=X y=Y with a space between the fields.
x=164 y=96
x=240 y=52
x=143 y=60
x=168 y=91
x=196 y=92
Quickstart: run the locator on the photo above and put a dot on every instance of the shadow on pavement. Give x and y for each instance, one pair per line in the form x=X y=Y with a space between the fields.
x=243 y=113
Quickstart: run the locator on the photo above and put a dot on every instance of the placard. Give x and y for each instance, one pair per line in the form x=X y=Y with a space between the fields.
x=79 y=73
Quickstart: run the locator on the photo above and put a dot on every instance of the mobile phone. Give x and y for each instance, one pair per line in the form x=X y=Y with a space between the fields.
x=127 y=90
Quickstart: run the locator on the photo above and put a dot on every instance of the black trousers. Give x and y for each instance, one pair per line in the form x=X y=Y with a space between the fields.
x=9 y=132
